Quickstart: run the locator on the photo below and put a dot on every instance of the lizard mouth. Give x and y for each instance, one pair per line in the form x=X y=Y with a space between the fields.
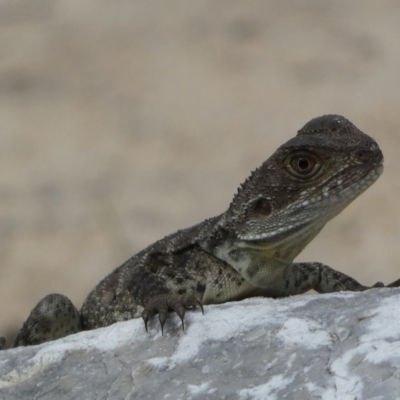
x=355 y=189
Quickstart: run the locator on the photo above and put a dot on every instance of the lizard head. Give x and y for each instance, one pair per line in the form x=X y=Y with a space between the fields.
x=305 y=183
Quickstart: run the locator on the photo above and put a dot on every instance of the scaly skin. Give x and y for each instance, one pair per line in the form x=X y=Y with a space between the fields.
x=246 y=251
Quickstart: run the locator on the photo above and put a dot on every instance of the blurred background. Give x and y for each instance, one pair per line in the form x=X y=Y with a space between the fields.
x=123 y=121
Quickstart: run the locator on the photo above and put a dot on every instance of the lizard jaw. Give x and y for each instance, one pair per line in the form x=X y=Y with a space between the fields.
x=334 y=204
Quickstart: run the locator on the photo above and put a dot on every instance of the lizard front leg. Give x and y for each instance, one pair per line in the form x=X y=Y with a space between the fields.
x=301 y=277
x=154 y=284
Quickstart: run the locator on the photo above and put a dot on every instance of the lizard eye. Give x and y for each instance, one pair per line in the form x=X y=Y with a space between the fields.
x=303 y=165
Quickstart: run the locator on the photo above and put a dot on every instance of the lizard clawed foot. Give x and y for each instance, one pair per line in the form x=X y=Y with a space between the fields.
x=163 y=303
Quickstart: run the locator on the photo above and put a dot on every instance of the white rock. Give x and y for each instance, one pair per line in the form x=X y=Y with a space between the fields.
x=338 y=346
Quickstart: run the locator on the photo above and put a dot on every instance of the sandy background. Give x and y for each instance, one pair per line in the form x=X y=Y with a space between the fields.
x=122 y=121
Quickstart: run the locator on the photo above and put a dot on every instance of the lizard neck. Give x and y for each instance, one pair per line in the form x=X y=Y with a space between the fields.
x=248 y=256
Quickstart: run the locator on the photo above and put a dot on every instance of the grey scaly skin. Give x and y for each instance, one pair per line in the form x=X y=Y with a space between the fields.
x=246 y=251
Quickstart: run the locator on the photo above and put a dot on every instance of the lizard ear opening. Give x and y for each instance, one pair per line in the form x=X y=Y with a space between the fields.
x=262 y=206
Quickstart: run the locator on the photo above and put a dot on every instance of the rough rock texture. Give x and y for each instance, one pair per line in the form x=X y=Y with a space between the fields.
x=339 y=346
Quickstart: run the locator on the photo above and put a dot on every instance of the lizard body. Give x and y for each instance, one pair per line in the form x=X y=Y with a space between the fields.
x=246 y=251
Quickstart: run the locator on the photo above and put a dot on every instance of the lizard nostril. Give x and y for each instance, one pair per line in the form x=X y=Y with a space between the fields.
x=363 y=155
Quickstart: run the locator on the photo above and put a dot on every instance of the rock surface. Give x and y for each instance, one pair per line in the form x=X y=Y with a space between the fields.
x=339 y=346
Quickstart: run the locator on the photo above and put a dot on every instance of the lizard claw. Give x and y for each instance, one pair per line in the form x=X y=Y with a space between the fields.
x=146 y=315
x=162 y=315
x=180 y=310
x=200 y=304
x=163 y=303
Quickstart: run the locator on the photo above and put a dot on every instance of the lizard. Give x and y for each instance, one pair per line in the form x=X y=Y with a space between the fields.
x=246 y=251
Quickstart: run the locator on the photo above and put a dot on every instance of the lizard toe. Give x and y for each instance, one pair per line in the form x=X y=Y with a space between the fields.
x=147 y=313
x=179 y=308
x=157 y=305
x=192 y=301
x=162 y=315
